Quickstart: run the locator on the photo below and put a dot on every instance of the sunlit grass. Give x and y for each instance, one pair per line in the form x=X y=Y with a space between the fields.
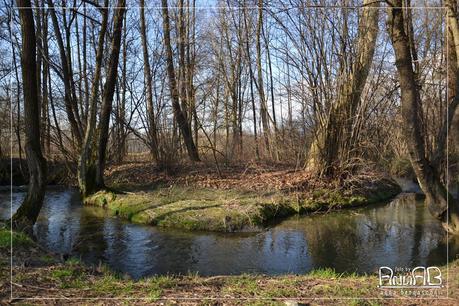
x=19 y=239
x=269 y=290
x=324 y=273
x=221 y=210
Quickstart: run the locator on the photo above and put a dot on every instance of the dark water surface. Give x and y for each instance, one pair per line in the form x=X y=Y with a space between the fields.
x=401 y=233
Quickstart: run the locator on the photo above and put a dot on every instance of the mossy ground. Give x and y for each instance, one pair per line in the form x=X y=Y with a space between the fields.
x=196 y=209
x=227 y=210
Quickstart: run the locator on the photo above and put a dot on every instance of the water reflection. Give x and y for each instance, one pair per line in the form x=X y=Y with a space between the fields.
x=401 y=233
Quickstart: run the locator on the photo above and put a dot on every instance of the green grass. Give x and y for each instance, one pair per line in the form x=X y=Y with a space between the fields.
x=287 y=287
x=62 y=273
x=325 y=282
x=19 y=239
x=5 y=238
x=324 y=273
x=73 y=261
x=329 y=273
x=106 y=284
x=68 y=276
x=162 y=281
x=242 y=285
x=47 y=259
x=317 y=283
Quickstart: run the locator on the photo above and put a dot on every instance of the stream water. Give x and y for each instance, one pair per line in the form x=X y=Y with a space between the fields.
x=400 y=233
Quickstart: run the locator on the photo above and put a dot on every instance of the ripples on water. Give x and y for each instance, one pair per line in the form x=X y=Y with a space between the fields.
x=401 y=233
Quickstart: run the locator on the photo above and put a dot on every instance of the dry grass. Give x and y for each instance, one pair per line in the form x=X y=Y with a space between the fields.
x=72 y=283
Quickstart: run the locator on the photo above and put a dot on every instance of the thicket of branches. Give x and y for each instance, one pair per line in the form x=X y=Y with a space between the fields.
x=251 y=82
x=282 y=81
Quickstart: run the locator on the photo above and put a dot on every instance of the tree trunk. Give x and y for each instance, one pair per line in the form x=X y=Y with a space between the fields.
x=109 y=90
x=85 y=71
x=191 y=62
x=18 y=102
x=86 y=167
x=178 y=112
x=69 y=98
x=437 y=197
x=27 y=214
x=252 y=98
x=333 y=140
x=153 y=139
x=45 y=122
x=453 y=79
x=121 y=111
x=263 y=105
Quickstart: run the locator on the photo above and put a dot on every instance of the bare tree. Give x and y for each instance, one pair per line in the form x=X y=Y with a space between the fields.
x=109 y=90
x=426 y=170
x=27 y=214
x=86 y=163
x=263 y=104
x=333 y=139
x=153 y=138
x=179 y=114
x=71 y=102
x=453 y=79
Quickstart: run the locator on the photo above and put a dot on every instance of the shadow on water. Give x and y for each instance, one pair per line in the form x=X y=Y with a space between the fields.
x=401 y=233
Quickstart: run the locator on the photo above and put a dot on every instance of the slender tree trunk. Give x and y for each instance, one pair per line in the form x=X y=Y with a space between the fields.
x=67 y=25
x=56 y=123
x=263 y=105
x=27 y=214
x=252 y=98
x=39 y=59
x=18 y=102
x=149 y=92
x=271 y=86
x=45 y=139
x=85 y=72
x=122 y=107
x=109 y=90
x=70 y=103
x=178 y=112
x=271 y=80
x=437 y=197
x=289 y=95
x=81 y=95
x=191 y=65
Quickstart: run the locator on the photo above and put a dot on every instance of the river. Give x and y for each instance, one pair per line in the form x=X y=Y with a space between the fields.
x=399 y=233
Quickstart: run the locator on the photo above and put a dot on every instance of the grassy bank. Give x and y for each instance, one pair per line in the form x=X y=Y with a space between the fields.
x=37 y=274
x=232 y=209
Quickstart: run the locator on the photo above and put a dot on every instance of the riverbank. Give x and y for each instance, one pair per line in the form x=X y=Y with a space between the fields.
x=237 y=200
x=40 y=274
